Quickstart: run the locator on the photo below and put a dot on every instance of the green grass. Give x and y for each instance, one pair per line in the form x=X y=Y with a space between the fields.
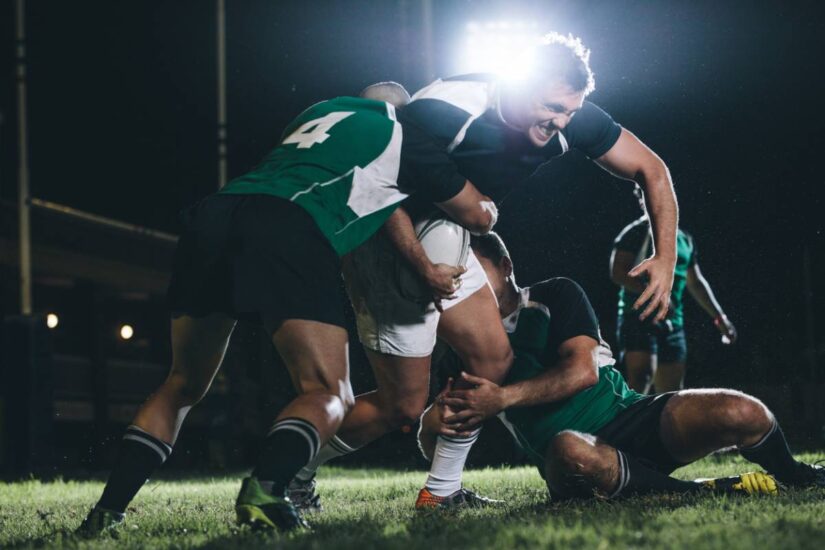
x=373 y=509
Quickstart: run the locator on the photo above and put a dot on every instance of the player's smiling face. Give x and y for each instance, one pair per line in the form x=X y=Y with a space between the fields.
x=542 y=111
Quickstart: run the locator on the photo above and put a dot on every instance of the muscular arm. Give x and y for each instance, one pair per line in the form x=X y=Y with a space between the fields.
x=468 y=208
x=631 y=159
x=576 y=370
x=621 y=262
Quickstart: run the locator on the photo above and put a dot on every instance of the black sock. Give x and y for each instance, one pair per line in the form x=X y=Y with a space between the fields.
x=140 y=455
x=773 y=454
x=290 y=445
x=637 y=479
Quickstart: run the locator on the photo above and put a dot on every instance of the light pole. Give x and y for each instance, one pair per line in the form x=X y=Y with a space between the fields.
x=23 y=193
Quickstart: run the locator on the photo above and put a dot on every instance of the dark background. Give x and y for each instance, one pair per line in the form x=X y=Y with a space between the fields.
x=122 y=113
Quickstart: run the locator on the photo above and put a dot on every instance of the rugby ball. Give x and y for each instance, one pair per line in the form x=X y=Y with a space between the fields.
x=444 y=242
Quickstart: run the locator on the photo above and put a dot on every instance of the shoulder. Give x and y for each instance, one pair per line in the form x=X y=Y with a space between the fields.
x=592 y=131
x=472 y=94
x=557 y=292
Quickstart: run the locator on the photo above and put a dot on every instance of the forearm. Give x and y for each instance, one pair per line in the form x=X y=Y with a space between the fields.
x=660 y=202
x=401 y=232
x=565 y=380
x=703 y=295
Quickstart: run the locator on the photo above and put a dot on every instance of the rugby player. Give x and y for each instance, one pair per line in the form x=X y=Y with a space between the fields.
x=654 y=353
x=496 y=134
x=582 y=426
x=266 y=248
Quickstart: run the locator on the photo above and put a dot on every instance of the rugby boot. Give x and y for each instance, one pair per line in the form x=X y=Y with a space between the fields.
x=805 y=475
x=303 y=496
x=750 y=483
x=463 y=498
x=260 y=510
x=98 y=521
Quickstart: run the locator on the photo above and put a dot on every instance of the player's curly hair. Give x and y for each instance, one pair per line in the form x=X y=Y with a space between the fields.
x=565 y=58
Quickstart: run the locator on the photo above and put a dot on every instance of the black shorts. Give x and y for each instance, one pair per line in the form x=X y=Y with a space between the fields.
x=255 y=257
x=668 y=343
x=635 y=431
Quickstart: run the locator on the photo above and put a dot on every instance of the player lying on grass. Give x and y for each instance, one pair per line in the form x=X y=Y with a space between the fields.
x=267 y=248
x=496 y=133
x=580 y=424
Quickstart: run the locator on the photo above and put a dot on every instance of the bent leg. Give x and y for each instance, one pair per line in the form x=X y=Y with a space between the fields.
x=403 y=387
x=400 y=398
x=473 y=329
x=695 y=423
x=198 y=347
x=315 y=354
x=581 y=465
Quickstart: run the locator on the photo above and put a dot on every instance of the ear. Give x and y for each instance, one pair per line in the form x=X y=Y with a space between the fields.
x=507 y=266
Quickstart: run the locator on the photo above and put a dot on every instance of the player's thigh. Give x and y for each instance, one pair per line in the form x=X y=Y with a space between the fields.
x=473 y=329
x=315 y=354
x=697 y=422
x=198 y=347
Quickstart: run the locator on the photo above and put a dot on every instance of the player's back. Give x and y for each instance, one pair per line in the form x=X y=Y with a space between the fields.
x=339 y=160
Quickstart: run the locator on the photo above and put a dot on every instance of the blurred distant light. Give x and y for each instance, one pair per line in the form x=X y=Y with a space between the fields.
x=52 y=320
x=501 y=47
x=126 y=332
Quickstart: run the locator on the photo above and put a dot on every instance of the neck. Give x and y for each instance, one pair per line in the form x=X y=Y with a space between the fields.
x=509 y=299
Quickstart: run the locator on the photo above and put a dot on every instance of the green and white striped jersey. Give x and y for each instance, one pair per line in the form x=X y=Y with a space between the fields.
x=340 y=160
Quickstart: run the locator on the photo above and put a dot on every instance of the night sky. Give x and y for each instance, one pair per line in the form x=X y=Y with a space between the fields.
x=122 y=111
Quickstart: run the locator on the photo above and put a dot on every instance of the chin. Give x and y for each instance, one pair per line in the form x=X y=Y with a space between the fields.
x=537 y=137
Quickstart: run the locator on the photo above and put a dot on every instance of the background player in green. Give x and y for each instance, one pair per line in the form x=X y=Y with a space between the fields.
x=654 y=352
x=586 y=431
x=267 y=248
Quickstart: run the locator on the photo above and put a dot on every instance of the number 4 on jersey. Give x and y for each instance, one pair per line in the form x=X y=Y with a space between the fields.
x=315 y=131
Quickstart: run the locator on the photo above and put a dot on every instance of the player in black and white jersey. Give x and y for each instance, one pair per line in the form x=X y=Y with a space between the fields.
x=496 y=134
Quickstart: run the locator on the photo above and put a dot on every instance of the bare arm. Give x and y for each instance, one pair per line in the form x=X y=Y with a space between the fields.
x=621 y=263
x=576 y=370
x=471 y=209
x=700 y=289
x=441 y=278
x=631 y=159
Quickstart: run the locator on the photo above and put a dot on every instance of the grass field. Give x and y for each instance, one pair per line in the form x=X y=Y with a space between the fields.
x=373 y=509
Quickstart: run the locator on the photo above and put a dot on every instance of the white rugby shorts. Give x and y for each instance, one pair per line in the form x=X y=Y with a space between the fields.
x=387 y=322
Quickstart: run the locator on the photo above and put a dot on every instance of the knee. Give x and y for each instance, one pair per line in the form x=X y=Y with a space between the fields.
x=746 y=414
x=491 y=364
x=337 y=388
x=405 y=412
x=573 y=454
x=185 y=390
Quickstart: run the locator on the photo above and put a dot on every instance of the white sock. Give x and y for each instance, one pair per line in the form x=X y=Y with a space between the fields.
x=333 y=449
x=448 y=464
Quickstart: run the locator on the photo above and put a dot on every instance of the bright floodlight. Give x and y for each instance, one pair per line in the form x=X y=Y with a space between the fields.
x=126 y=332
x=500 y=47
x=52 y=320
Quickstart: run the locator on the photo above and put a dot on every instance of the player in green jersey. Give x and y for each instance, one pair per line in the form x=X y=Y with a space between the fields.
x=267 y=248
x=577 y=420
x=654 y=353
